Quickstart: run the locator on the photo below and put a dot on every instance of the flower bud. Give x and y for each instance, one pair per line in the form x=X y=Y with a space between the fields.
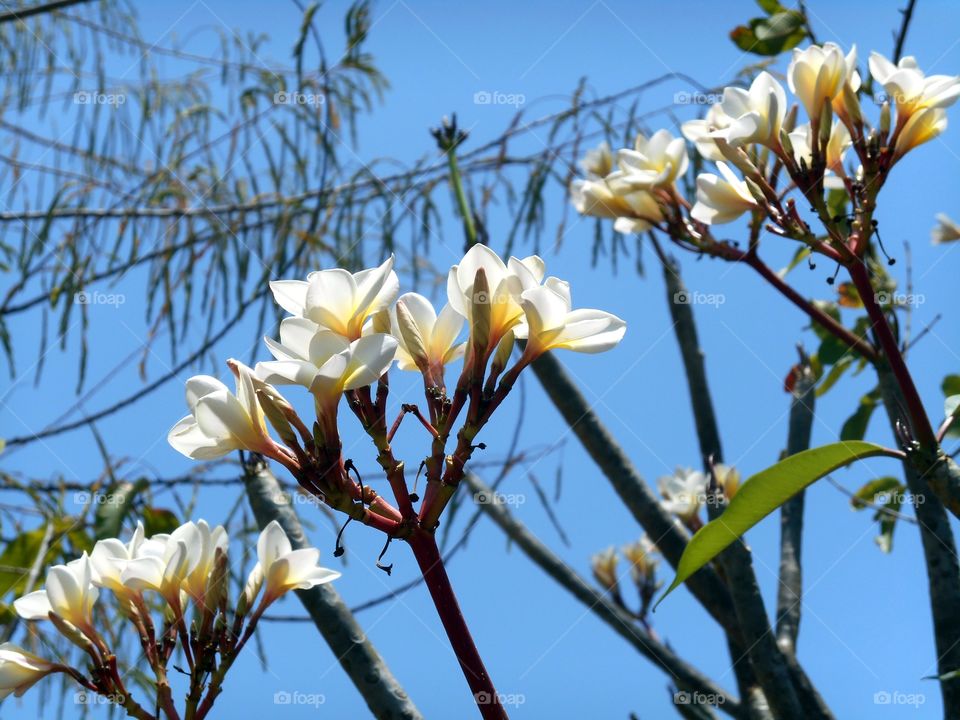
x=381 y=322
x=786 y=143
x=826 y=125
x=851 y=105
x=885 y=118
x=604 y=565
x=502 y=354
x=71 y=632
x=250 y=590
x=410 y=334
x=790 y=121
x=756 y=191
x=276 y=417
x=480 y=315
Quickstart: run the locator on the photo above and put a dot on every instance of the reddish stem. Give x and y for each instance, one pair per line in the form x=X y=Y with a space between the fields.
x=919 y=421
x=438 y=583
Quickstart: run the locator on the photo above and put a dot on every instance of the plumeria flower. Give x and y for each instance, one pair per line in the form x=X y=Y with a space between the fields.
x=910 y=90
x=338 y=300
x=654 y=162
x=325 y=362
x=20 y=670
x=721 y=199
x=728 y=479
x=427 y=340
x=604 y=566
x=699 y=131
x=69 y=592
x=551 y=324
x=219 y=421
x=837 y=146
x=280 y=568
x=683 y=492
x=922 y=126
x=946 y=230
x=642 y=558
x=110 y=557
x=818 y=74
x=506 y=282
x=634 y=212
x=757 y=114
x=206 y=541
x=598 y=162
x=174 y=572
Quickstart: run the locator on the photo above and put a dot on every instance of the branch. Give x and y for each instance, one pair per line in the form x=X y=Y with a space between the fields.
x=346 y=638
x=907 y=13
x=686 y=676
x=600 y=444
x=23 y=13
x=790 y=590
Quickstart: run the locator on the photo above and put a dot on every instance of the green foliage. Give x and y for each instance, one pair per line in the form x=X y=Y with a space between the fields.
x=779 y=31
x=886 y=495
x=763 y=493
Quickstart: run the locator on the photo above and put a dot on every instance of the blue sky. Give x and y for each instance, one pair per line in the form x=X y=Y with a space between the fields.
x=865 y=626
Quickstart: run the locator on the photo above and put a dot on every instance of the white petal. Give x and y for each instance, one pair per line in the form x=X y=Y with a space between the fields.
x=33 y=606
x=291 y=295
x=272 y=544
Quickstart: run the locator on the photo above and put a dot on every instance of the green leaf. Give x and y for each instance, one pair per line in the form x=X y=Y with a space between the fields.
x=877 y=490
x=159 y=520
x=17 y=559
x=951 y=409
x=838 y=369
x=951 y=385
x=763 y=493
x=855 y=426
x=837 y=200
x=770 y=36
x=832 y=349
x=770 y=6
x=113 y=506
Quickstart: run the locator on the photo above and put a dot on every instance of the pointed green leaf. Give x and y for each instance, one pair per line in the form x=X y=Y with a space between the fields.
x=763 y=493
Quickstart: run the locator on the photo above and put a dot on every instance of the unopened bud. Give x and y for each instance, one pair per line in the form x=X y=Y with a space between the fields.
x=604 y=566
x=70 y=631
x=790 y=121
x=276 y=417
x=786 y=143
x=502 y=354
x=885 y=118
x=410 y=334
x=851 y=105
x=756 y=191
x=381 y=322
x=481 y=310
x=216 y=590
x=826 y=124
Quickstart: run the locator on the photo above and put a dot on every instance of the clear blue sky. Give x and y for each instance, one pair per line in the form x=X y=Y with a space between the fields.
x=865 y=627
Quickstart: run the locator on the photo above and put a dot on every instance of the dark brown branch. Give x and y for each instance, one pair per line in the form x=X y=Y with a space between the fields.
x=24 y=13
x=907 y=13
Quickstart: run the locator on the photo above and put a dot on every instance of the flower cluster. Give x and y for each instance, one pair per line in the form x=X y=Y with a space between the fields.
x=174 y=571
x=687 y=490
x=343 y=333
x=754 y=134
x=643 y=560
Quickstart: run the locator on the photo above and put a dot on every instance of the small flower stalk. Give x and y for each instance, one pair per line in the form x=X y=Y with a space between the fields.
x=173 y=589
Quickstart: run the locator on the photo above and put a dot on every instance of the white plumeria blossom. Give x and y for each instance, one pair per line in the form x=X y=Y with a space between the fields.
x=337 y=299
x=506 y=282
x=699 y=131
x=282 y=568
x=19 y=670
x=721 y=199
x=818 y=74
x=69 y=592
x=837 y=146
x=325 y=362
x=946 y=230
x=683 y=492
x=219 y=421
x=654 y=162
x=633 y=212
x=910 y=90
x=110 y=557
x=551 y=324
x=184 y=566
x=757 y=114
x=439 y=332
x=598 y=162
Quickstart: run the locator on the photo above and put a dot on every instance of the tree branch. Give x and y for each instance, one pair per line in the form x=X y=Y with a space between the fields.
x=685 y=675
x=385 y=697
